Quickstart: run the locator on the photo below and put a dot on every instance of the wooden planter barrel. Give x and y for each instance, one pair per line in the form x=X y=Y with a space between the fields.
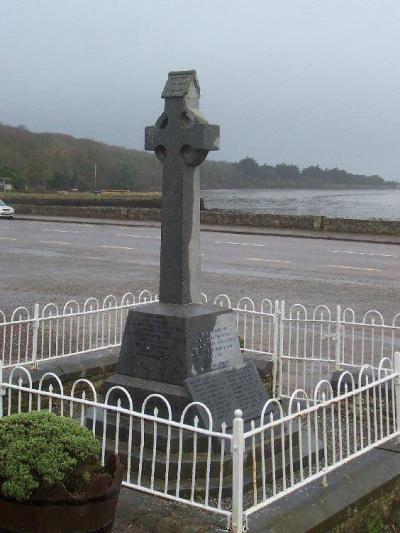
x=55 y=510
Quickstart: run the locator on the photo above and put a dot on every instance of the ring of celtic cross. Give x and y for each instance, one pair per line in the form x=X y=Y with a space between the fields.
x=182 y=132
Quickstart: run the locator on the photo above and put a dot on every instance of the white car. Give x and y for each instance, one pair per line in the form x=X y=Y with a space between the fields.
x=5 y=210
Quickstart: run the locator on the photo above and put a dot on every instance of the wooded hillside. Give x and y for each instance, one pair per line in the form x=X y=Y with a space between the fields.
x=56 y=161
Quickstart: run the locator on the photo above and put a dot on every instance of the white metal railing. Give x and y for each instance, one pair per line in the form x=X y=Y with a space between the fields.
x=320 y=433
x=232 y=473
x=304 y=345
x=54 y=331
x=161 y=455
x=312 y=345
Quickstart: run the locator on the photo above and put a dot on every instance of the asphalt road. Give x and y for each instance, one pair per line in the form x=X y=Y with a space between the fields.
x=50 y=261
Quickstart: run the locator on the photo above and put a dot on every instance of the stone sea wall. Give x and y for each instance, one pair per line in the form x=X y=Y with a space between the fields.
x=351 y=225
x=226 y=218
x=303 y=222
x=119 y=213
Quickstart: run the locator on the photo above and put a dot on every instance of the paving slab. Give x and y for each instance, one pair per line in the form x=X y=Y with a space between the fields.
x=141 y=513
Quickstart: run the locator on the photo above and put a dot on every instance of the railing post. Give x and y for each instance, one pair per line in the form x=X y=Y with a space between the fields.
x=280 y=349
x=35 y=327
x=397 y=388
x=338 y=338
x=237 y=472
x=2 y=389
x=275 y=350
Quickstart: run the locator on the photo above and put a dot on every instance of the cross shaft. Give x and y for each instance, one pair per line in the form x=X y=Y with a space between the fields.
x=181 y=139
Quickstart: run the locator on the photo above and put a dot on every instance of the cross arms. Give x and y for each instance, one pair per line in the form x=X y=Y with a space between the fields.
x=199 y=136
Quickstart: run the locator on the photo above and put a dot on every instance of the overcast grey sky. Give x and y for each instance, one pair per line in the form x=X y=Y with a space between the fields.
x=302 y=81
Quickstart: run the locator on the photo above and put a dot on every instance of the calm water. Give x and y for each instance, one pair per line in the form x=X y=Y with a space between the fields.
x=333 y=203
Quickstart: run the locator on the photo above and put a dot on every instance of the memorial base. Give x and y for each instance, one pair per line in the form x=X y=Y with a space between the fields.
x=169 y=343
x=139 y=389
x=189 y=354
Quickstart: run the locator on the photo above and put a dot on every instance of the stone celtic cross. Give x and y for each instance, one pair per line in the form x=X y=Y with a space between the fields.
x=181 y=140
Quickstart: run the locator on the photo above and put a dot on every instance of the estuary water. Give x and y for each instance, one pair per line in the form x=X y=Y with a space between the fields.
x=338 y=203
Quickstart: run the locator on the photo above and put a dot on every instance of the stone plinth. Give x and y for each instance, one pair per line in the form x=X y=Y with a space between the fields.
x=170 y=342
x=165 y=344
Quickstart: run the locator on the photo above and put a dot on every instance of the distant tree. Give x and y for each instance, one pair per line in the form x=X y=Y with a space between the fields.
x=267 y=171
x=126 y=177
x=62 y=162
x=22 y=127
x=312 y=173
x=376 y=180
x=287 y=172
x=247 y=168
x=60 y=181
x=18 y=181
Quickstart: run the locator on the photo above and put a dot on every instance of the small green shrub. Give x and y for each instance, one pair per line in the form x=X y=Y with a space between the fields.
x=40 y=448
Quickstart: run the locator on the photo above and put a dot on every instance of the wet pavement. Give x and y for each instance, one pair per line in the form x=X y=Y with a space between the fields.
x=46 y=260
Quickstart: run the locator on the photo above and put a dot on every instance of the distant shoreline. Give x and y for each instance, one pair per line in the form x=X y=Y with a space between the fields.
x=303 y=188
x=33 y=159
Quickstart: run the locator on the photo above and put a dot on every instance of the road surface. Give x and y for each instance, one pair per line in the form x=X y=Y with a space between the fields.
x=50 y=261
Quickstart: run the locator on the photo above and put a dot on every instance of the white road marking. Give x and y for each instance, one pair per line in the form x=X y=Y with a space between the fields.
x=240 y=243
x=138 y=236
x=7 y=239
x=355 y=268
x=360 y=253
x=117 y=247
x=54 y=242
x=268 y=260
x=61 y=230
x=4 y=227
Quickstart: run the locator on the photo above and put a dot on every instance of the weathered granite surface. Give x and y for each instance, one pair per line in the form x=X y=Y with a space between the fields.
x=179 y=339
x=224 y=391
x=181 y=140
x=173 y=342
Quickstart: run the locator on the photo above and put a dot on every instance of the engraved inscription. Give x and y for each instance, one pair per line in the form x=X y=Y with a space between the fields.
x=213 y=390
x=248 y=397
x=222 y=342
x=224 y=391
x=216 y=348
x=154 y=336
x=172 y=347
